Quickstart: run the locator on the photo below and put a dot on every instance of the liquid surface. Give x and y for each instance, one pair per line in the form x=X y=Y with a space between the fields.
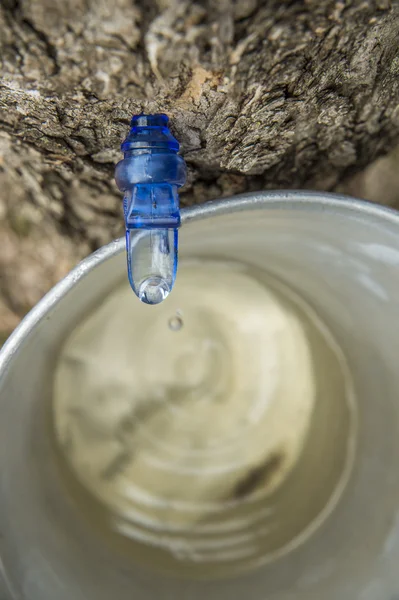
x=210 y=433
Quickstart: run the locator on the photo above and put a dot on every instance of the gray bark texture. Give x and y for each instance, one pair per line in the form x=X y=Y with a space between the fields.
x=262 y=94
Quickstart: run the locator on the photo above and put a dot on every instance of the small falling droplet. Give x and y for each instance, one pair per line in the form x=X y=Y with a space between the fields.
x=175 y=323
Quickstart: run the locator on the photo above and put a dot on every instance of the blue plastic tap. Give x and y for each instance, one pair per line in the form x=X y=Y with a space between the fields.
x=149 y=176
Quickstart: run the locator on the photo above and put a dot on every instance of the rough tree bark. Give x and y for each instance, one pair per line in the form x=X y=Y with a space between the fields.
x=273 y=93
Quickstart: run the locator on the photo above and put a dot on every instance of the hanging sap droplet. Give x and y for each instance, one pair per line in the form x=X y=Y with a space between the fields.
x=153 y=290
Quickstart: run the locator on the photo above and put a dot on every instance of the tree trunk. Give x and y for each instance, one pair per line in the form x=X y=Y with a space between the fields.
x=272 y=94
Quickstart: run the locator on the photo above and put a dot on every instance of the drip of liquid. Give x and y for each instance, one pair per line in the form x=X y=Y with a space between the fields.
x=214 y=450
x=175 y=323
x=153 y=290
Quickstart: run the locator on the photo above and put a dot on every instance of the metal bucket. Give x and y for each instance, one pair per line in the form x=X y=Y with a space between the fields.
x=342 y=256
